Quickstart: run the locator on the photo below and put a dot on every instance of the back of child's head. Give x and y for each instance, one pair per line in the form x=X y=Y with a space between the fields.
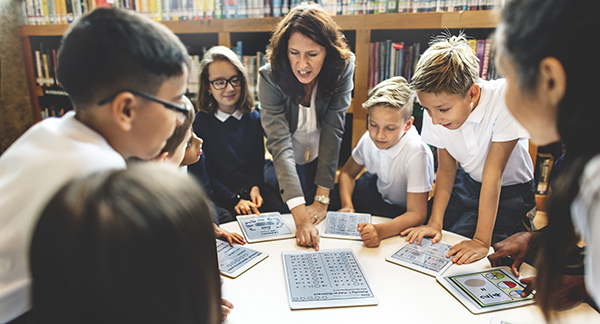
x=206 y=102
x=448 y=66
x=109 y=50
x=393 y=93
x=179 y=133
x=127 y=246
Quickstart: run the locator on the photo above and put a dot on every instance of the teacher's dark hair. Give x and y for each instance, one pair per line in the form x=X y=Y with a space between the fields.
x=126 y=246
x=312 y=21
x=532 y=30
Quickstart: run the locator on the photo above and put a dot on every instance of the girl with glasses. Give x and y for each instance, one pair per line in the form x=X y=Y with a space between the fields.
x=233 y=136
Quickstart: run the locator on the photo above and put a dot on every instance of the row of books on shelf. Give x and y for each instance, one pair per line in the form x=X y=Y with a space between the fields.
x=54 y=101
x=44 y=12
x=389 y=59
x=252 y=63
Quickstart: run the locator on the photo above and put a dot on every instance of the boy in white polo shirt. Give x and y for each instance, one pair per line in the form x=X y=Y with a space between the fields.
x=399 y=165
x=126 y=75
x=488 y=197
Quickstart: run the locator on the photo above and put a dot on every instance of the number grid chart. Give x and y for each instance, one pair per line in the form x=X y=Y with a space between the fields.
x=323 y=279
x=235 y=260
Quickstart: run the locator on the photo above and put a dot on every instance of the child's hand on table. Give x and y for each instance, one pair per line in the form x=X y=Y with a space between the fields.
x=468 y=251
x=228 y=236
x=369 y=234
x=419 y=232
x=246 y=207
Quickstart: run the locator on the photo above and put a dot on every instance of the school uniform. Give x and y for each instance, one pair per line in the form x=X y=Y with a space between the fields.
x=469 y=145
x=406 y=166
x=585 y=213
x=41 y=161
x=235 y=157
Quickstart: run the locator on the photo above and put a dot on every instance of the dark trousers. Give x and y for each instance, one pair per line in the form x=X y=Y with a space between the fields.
x=463 y=208
x=367 y=199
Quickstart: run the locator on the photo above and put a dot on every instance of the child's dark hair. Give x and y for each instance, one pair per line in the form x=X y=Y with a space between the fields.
x=530 y=31
x=179 y=133
x=111 y=49
x=312 y=21
x=127 y=246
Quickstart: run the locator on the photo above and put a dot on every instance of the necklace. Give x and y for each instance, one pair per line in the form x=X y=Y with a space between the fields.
x=306 y=134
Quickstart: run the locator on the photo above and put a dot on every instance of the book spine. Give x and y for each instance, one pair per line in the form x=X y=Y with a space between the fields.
x=377 y=62
x=387 y=58
x=486 y=58
x=38 y=66
x=479 y=52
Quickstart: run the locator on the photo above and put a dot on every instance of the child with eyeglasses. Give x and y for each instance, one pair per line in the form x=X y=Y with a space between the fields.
x=125 y=75
x=233 y=137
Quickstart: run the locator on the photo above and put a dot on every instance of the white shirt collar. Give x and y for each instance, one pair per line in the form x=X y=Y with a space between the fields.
x=223 y=116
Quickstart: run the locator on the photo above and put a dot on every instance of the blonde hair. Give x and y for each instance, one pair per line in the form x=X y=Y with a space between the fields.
x=205 y=101
x=448 y=66
x=394 y=93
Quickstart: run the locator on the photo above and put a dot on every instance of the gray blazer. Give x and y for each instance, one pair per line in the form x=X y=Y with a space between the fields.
x=279 y=119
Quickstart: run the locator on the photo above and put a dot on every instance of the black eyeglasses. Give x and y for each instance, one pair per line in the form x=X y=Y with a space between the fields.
x=181 y=109
x=220 y=84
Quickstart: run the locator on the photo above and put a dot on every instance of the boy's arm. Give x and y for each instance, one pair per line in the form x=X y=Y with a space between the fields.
x=491 y=184
x=416 y=213
x=443 y=189
x=444 y=182
x=346 y=183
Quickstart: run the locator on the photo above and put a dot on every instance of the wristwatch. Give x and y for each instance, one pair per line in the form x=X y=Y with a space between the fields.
x=322 y=199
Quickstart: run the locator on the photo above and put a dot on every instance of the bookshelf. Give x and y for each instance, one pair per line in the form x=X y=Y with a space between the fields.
x=227 y=31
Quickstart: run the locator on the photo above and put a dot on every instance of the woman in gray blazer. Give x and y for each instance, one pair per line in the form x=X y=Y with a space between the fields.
x=304 y=92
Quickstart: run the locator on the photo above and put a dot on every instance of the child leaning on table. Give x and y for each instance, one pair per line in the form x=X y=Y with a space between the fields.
x=125 y=75
x=184 y=148
x=126 y=246
x=399 y=166
x=487 y=198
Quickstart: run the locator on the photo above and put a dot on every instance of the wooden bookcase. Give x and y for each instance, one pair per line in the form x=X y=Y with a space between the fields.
x=361 y=26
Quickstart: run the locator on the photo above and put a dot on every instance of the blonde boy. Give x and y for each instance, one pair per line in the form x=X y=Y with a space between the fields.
x=488 y=197
x=399 y=166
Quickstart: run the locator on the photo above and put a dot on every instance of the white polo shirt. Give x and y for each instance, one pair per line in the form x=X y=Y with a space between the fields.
x=406 y=166
x=489 y=122
x=41 y=161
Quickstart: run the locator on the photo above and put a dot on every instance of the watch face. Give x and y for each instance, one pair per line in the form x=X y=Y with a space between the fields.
x=322 y=199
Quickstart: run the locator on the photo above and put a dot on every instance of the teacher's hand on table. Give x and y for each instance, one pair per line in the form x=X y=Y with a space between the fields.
x=306 y=232
x=512 y=250
x=317 y=209
x=368 y=234
x=419 y=232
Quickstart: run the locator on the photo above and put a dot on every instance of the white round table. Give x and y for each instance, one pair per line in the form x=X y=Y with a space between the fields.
x=259 y=295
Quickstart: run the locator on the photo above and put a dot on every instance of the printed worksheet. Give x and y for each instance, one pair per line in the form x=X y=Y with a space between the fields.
x=264 y=227
x=426 y=257
x=331 y=278
x=343 y=225
x=235 y=260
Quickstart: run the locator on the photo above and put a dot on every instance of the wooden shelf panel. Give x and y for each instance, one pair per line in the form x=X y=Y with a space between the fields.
x=434 y=20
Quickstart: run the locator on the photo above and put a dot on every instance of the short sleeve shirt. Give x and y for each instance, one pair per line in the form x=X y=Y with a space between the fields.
x=404 y=167
x=489 y=122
